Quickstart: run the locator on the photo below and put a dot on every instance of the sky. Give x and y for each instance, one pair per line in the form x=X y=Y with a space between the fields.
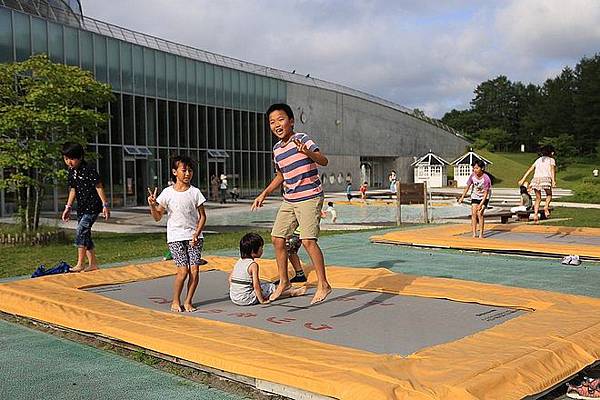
x=422 y=54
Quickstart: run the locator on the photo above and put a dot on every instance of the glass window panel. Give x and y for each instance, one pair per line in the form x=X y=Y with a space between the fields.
x=237 y=176
x=181 y=79
x=151 y=121
x=261 y=169
x=22 y=36
x=173 y=124
x=220 y=129
x=165 y=167
x=150 y=72
x=138 y=69
x=200 y=83
x=55 y=43
x=281 y=92
x=269 y=167
x=251 y=92
x=86 y=50
x=6 y=36
x=202 y=127
x=191 y=80
x=210 y=83
x=265 y=96
x=268 y=134
x=126 y=67
x=193 y=121
x=117 y=176
x=201 y=172
x=227 y=87
x=71 y=46
x=253 y=138
x=260 y=133
x=140 y=121
x=245 y=131
x=235 y=89
x=246 y=175
x=103 y=134
x=171 y=77
x=128 y=119
x=243 y=90
x=237 y=127
x=212 y=128
x=229 y=129
x=218 y=85
x=39 y=36
x=104 y=168
x=183 y=126
x=163 y=133
x=273 y=95
x=254 y=178
x=100 y=58
x=115 y=120
x=161 y=74
x=113 y=64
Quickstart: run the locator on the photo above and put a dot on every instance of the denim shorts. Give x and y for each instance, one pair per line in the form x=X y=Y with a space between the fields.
x=83 y=234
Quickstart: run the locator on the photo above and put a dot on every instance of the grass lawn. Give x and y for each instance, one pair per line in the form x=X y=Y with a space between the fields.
x=110 y=248
x=589 y=217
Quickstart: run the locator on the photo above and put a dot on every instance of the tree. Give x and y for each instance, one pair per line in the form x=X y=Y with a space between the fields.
x=491 y=139
x=42 y=106
x=564 y=147
x=586 y=99
x=466 y=121
x=496 y=102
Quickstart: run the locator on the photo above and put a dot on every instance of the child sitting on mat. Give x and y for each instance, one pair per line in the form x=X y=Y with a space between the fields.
x=245 y=287
x=480 y=196
x=525 y=203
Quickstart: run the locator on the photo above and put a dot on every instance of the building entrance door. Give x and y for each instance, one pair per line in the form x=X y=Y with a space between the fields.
x=130 y=183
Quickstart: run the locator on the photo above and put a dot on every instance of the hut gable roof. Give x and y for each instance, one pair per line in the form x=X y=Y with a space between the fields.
x=430 y=159
x=470 y=157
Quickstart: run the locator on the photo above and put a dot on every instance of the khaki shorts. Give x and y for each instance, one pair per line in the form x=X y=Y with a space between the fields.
x=305 y=214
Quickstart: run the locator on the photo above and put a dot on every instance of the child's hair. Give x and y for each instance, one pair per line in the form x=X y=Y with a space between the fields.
x=250 y=243
x=523 y=189
x=185 y=160
x=547 y=150
x=330 y=204
x=73 y=151
x=479 y=163
x=281 y=107
x=365 y=183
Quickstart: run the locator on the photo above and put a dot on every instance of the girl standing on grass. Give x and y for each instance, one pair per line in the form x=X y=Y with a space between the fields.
x=544 y=178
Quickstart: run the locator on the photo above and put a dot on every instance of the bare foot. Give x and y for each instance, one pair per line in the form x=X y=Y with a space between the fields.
x=279 y=291
x=320 y=295
x=474 y=236
x=175 y=307
x=298 y=291
x=547 y=213
x=77 y=268
x=189 y=308
x=91 y=268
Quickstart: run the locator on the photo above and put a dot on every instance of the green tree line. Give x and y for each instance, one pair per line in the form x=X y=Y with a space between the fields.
x=564 y=111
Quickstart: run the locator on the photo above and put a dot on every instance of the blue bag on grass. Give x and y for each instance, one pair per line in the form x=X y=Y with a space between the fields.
x=60 y=268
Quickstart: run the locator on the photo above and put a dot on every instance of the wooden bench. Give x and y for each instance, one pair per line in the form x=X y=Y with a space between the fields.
x=522 y=216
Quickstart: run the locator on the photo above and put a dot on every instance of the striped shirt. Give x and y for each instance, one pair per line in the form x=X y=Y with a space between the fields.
x=300 y=174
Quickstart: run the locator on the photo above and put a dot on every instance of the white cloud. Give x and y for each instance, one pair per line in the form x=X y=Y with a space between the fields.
x=426 y=54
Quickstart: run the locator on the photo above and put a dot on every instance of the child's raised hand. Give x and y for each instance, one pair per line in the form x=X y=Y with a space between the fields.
x=152 y=197
x=301 y=147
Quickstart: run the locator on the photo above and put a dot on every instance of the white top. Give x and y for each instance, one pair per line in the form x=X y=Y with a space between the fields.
x=182 y=212
x=543 y=167
x=241 y=290
x=223 y=183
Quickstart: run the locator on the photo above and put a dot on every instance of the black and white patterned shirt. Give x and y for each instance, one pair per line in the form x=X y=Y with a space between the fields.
x=84 y=180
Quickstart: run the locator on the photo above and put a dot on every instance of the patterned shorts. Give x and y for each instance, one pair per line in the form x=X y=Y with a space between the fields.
x=184 y=254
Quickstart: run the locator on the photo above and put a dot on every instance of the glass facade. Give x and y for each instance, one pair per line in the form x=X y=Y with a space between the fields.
x=165 y=105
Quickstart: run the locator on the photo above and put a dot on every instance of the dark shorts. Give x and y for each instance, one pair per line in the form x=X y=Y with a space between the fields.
x=184 y=254
x=83 y=234
x=478 y=201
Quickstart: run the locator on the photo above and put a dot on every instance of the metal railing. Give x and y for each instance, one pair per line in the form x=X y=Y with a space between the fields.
x=153 y=42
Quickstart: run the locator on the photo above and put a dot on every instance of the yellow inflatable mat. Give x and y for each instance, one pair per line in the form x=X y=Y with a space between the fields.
x=541 y=240
x=552 y=337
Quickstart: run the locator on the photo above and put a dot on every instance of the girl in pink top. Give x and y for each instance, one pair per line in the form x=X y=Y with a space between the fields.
x=480 y=197
x=544 y=178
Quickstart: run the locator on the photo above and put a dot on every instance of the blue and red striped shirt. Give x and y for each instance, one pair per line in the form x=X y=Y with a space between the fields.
x=300 y=174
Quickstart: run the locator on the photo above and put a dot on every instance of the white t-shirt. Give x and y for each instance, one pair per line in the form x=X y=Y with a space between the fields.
x=223 y=184
x=182 y=212
x=543 y=167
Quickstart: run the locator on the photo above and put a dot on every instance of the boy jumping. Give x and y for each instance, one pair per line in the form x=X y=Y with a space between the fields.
x=296 y=158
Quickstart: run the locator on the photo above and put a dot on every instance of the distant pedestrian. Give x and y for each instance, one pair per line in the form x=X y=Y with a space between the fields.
x=214 y=188
x=223 y=188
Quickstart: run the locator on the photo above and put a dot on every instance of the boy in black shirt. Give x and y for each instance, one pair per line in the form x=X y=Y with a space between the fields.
x=85 y=185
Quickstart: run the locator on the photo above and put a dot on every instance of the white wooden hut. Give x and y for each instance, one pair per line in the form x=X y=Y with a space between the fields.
x=431 y=169
x=463 y=166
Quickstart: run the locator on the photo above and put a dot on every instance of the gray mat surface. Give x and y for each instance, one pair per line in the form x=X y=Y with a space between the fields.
x=371 y=321
x=559 y=238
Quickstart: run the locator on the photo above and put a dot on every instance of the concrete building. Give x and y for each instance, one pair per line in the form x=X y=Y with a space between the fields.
x=174 y=99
